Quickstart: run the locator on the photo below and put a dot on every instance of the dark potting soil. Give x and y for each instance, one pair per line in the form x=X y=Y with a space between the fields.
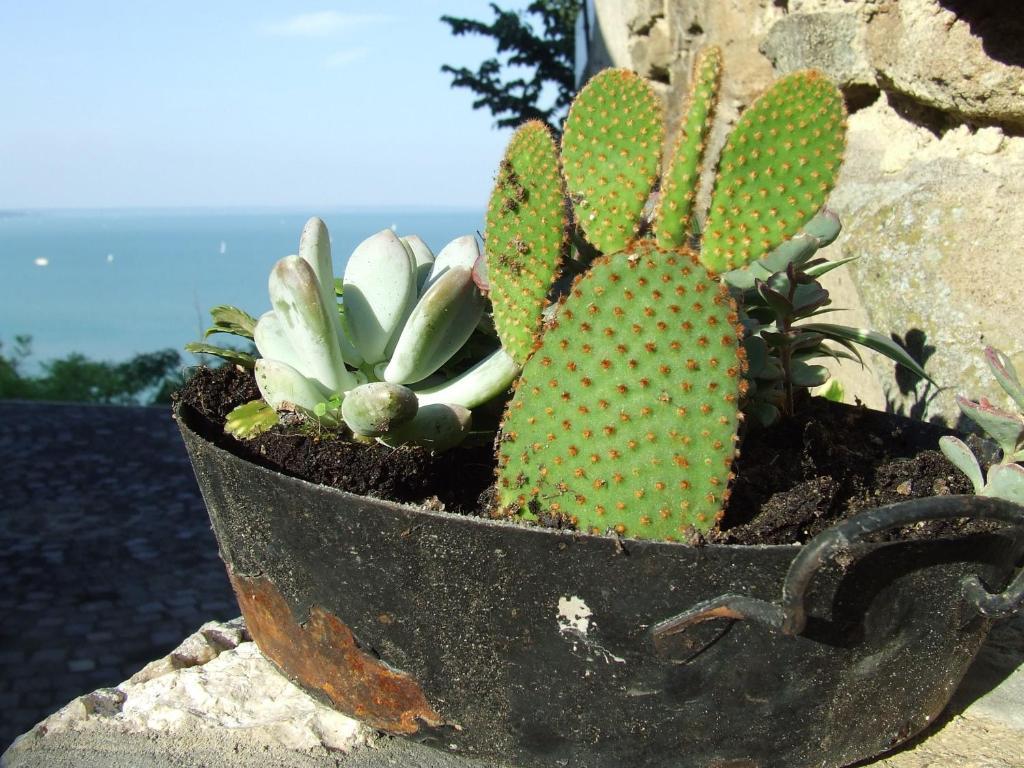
x=793 y=479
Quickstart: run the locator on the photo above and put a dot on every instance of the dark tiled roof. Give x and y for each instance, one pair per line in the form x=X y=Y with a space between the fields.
x=107 y=559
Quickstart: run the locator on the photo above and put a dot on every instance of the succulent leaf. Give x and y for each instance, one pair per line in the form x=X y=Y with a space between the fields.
x=250 y=419
x=824 y=225
x=1006 y=375
x=475 y=386
x=286 y=389
x=437 y=427
x=422 y=256
x=461 y=252
x=870 y=339
x=625 y=418
x=682 y=179
x=1006 y=428
x=804 y=375
x=1006 y=481
x=379 y=293
x=954 y=449
x=309 y=325
x=378 y=407
x=441 y=322
x=315 y=250
x=611 y=152
x=272 y=341
x=777 y=168
x=526 y=233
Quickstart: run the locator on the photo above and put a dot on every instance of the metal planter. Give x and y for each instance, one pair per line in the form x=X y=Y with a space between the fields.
x=533 y=647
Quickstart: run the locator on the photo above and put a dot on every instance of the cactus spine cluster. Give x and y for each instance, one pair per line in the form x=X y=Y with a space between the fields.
x=526 y=235
x=776 y=170
x=611 y=150
x=625 y=416
x=679 y=186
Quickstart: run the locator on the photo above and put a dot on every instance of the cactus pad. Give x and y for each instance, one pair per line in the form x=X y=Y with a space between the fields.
x=526 y=234
x=682 y=179
x=611 y=151
x=776 y=170
x=625 y=418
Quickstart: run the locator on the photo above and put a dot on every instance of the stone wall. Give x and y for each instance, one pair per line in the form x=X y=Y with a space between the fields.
x=934 y=177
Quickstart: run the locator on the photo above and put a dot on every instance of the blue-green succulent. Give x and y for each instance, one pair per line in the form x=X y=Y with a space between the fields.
x=371 y=365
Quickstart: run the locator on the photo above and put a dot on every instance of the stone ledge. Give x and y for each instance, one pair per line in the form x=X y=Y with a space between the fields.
x=216 y=701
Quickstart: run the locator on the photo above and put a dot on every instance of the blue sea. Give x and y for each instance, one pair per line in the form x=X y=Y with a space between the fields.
x=114 y=283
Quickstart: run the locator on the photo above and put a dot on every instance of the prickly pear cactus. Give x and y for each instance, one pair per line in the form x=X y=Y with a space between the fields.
x=776 y=170
x=682 y=178
x=611 y=150
x=625 y=418
x=526 y=233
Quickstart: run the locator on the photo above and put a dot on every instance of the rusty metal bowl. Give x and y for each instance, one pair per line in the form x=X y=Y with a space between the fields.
x=534 y=647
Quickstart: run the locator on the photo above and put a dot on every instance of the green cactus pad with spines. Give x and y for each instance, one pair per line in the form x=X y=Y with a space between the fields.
x=682 y=179
x=611 y=152
x=776 y=170
x=625 y=417
x=526 y=234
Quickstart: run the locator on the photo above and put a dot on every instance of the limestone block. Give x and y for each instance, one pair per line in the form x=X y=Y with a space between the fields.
x=212 y=684
x=966 y=62
x=935 y=224
x=831 y=42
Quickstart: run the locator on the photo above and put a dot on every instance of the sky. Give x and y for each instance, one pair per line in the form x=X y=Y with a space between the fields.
x=110 y=104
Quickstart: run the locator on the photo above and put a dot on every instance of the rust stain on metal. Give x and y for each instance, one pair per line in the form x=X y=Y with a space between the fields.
x=323 y=655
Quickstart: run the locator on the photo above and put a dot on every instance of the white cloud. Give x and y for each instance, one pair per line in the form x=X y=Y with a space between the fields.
x=346 y=56
x=321 y=23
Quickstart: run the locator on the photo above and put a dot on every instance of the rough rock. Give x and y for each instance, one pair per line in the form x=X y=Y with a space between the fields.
x=233 y=708
x=215 y=682
x=957 y=57
x=831 y=42
x=935 y=224
x=930 y=190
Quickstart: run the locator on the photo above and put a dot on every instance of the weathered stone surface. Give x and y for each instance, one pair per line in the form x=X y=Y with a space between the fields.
x=929 y=200
x=961 y=58
x=935 y=225
x=235 y=709
x=831 y=42
x=213 y=683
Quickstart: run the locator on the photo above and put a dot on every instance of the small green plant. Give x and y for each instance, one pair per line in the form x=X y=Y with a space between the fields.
x=626 y=416
x=371 y=366
x=1005 y=479
x=779 y=296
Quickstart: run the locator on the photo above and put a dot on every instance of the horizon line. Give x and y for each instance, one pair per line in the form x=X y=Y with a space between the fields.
x=270 y=208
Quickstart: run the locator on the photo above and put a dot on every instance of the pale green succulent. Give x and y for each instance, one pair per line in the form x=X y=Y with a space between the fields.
x=1005 y=479
x=373 y=364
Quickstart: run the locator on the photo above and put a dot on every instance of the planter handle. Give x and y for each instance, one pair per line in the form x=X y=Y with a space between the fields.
x=790 y=617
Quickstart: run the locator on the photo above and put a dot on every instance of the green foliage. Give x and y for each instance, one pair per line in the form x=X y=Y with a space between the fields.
x=1006 y=478
x=546 y=56
x=144 y=379
x=777 y=168
x=625 y=418
x=679 y=186
x=228 y=319
x=526 y=236
x=397 y=363
x=561 y=453
x=228 y=354
x=611 y=150
x=778 y=294
x=250 y=419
